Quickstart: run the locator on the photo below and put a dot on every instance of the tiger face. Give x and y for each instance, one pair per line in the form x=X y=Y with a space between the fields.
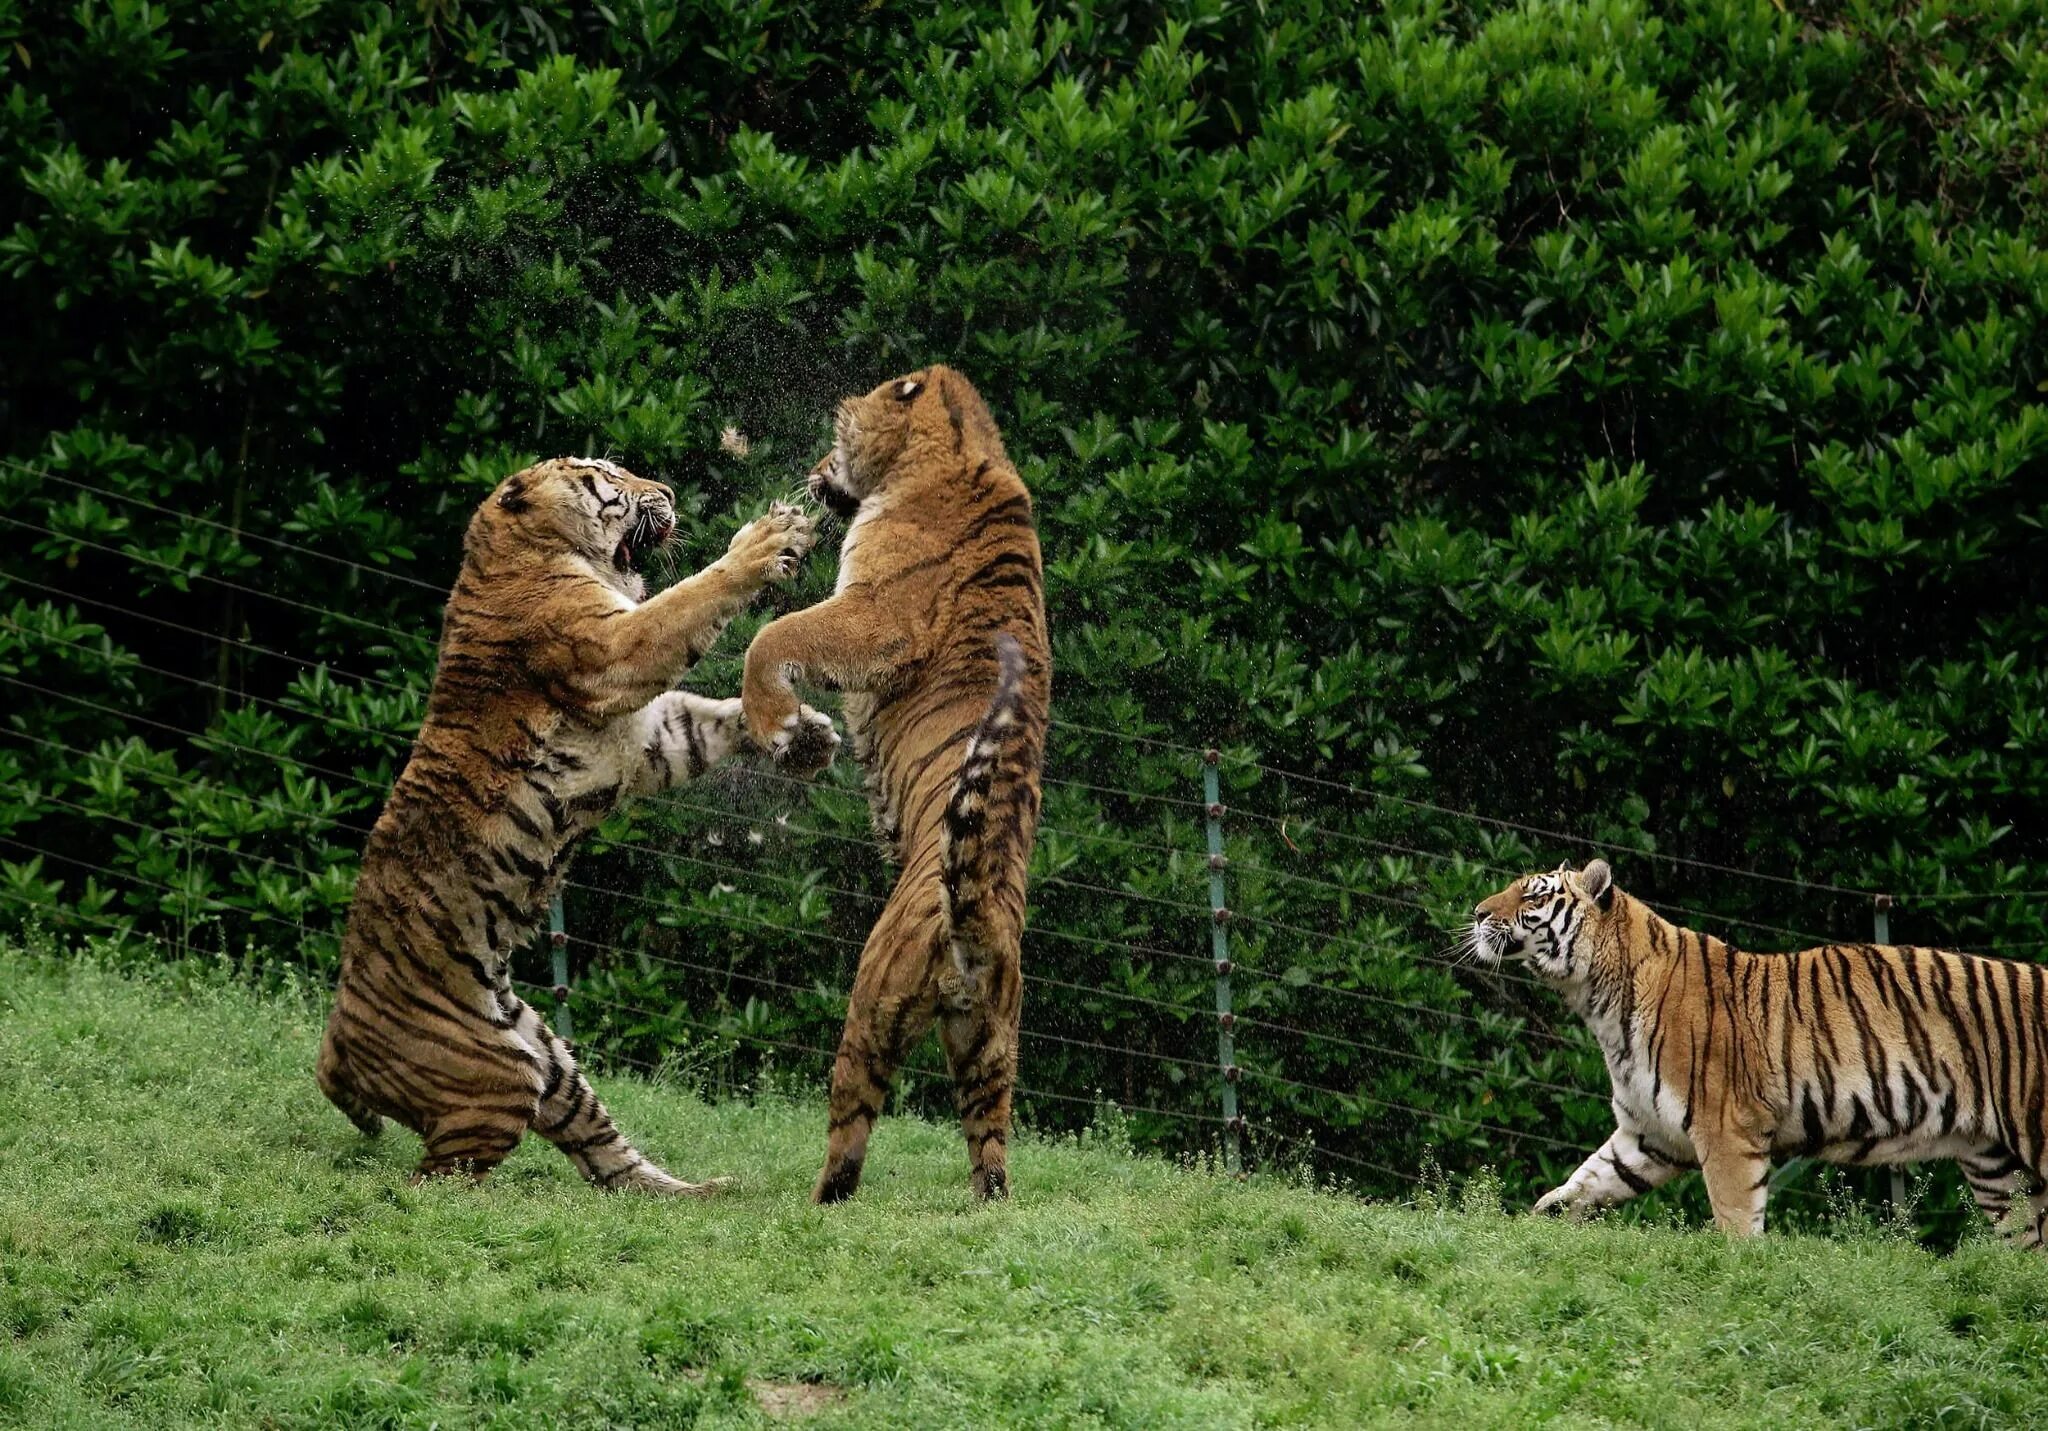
x=588 y=506
x=873 y=433
x=1546 y=920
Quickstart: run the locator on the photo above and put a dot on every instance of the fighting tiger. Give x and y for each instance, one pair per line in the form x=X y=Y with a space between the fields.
x=936 y=633
x=1721 y=1059
x=550 y=707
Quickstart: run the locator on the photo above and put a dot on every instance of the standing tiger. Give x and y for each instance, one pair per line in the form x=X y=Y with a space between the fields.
x=1720 y=1059
x=936 y=633
x=550 y=708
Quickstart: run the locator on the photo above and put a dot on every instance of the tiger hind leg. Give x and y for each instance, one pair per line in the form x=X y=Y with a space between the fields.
x=1996 y=1178
x=470 y=1142
x=574 y=1119
x=880 y=1029
x=2030 y=1229
x=981 y=1050
x=331 y=1072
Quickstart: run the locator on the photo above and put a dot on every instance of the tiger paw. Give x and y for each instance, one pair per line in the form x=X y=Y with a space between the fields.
x=773 y=547
x=806 y=741
x=1555 y=1203
x=827 y=482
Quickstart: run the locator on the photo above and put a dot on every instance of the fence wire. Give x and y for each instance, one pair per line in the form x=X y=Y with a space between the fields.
x=1170 y=908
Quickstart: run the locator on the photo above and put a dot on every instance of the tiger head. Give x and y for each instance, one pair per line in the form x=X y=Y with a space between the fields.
x=1550 y=921
x=585 y=505
x=878 y=437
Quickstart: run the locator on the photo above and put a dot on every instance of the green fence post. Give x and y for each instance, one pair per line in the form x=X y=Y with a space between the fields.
x=558 y=946
x=1219 y=948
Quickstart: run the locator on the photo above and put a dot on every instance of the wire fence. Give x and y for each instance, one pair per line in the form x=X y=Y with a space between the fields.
x=1320 y=1016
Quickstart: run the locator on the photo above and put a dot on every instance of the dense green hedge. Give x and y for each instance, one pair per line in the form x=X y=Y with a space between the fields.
x=1616 y=420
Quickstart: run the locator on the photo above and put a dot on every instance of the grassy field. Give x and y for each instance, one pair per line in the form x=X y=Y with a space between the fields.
x=188 y=1234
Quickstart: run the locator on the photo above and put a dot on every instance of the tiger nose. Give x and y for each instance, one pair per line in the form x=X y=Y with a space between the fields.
x=665 y=490
x=1479 y=911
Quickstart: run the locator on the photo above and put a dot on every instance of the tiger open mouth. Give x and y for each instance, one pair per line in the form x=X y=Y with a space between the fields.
x=843 y=505
x=649 y=531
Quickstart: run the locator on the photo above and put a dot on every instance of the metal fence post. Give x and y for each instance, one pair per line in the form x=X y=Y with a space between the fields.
x=1219 y=948
x=558 y=946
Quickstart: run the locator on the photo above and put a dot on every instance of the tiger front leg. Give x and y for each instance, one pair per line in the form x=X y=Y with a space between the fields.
x=681 y=735
x=648 y=648
x=1623 y=1167
x=1738 y=1184
x=839 y=642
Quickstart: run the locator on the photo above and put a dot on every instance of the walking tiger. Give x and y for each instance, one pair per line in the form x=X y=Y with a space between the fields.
x=1721 y=1059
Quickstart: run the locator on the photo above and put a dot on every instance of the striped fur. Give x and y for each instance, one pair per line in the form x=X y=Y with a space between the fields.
x=550 y=709
x=1722 y=1059
x=937 y=635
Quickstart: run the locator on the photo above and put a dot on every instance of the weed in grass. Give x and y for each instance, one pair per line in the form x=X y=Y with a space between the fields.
x=22 y=1313
x=174 y=1225
x=17 y=1382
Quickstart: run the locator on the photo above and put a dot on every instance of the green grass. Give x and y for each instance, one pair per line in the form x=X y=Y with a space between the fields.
x=189 y=1234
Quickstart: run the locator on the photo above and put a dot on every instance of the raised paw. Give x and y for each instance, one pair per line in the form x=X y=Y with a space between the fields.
x=806 y=741
x=1554 y=1203
x=829 y=472
x=774 y=546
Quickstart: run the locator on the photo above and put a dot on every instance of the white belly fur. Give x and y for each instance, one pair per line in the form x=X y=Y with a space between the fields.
x=869 y=509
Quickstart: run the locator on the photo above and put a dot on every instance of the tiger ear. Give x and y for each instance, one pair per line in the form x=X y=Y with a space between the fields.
x=1597 y=881
x=908 y=389
x=512 y=496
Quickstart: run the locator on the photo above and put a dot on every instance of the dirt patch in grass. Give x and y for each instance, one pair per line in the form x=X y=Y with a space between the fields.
x=792 y=1400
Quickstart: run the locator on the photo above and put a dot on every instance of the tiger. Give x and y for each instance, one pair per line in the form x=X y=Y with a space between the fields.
x=936 y=633
x=1721 y=1059
x=550 y=708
